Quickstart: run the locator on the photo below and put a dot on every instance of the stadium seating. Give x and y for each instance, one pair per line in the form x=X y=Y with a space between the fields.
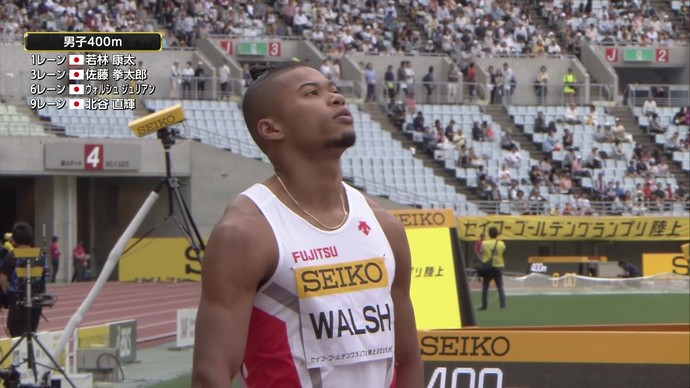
x=378 y=163
x=13 y=123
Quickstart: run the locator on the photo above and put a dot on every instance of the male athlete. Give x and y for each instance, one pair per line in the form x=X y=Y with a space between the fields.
x=305 y=282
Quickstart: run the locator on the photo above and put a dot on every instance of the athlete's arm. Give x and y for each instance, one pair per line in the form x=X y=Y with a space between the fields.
x=237 y=259
x=409 y=369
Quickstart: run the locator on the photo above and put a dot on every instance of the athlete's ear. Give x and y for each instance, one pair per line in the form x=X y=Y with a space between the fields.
x=269 y=129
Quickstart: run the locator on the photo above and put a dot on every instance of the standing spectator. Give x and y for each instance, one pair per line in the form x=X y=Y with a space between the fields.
x=471 y=79
x=569 y=88
x=509 y=82
x=200 y=80
x=409 y=77
x=492 y=87
x=175 y=79
x=540 y=86
x=187 y=75
x=224 y=78
x=492 y=267
x=54 y=256
x=402 y=78
x=429 y=83
x=453 y=79
x=389 y=83
x=246 y=76
x=370 y=77
x=79 y=259
x=649 y=107
x=326 y=70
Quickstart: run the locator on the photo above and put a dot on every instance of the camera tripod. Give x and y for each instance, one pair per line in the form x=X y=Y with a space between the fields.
x=186 y=223
x=30 y=336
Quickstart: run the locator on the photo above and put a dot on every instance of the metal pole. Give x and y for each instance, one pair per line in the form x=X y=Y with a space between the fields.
x=108 y=267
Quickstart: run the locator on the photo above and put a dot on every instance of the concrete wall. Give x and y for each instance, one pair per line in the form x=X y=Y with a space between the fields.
x=600 y=69
x=25 y=156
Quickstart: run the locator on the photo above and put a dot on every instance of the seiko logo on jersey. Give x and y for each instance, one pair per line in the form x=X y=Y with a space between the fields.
x=336 y=323
x=315 y=254
x=341 y=278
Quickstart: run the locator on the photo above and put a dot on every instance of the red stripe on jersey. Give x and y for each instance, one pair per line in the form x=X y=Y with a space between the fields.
x=268 y=358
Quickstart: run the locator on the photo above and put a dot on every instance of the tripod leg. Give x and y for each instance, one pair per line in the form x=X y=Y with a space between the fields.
x=52 y=360
x=189 y=228
x=9 y=352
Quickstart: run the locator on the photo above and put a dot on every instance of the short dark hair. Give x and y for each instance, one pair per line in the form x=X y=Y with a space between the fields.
x=255 y=92
x=22 y=233
x=621 y=263
x=493 y=232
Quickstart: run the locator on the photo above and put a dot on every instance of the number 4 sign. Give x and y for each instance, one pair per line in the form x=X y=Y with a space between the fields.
x=93 y=156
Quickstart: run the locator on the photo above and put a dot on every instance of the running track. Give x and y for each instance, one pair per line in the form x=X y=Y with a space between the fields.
x=153 y=305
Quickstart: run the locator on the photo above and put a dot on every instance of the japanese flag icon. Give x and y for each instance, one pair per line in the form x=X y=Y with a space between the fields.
x=76 y=74
x=76 y=103
x=76 y=89
x=76 y=60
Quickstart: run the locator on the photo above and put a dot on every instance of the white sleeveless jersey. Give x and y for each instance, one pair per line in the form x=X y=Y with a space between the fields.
x=325 y=318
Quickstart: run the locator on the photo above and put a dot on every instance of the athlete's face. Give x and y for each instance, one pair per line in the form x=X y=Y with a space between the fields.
x=313 y=111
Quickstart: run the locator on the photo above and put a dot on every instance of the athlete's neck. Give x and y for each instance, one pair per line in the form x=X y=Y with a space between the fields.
x=316 y=187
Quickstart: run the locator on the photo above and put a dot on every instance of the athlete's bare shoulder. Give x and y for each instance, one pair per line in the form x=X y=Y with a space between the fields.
x=243 y=235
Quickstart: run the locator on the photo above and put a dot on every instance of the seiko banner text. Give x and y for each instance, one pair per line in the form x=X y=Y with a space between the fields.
x=657 y=263
x=577 y=228
x=159 y=259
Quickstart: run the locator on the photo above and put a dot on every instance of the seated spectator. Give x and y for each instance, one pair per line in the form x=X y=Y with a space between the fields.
x=474 y=160
x=681 y=193
x=593 y=160
x=649 y=106
x=659 y=191
x=520 y=204
x=655 y=125
x=620 y=133
x=673 y=143
x=680 y=118
x=584 y=206
x=506 y=140
x=536 y=202
x=418 y=122
x=545 y=166
x=568 y=141
x=570 y=115
x=477 y=132
x=535 y=175
x=488 y=132
x=540 y=123
x=599 y=134
x=463 y=157
x=618 y=207
x=631 y=171
x=551 y=143
x=591 y=116
x=578 y=170
x=568 y=209
x=618 y=153
x=659 y=169
x=565 y=184
x=504 y=176
x=450 y=130
x=513 y=190
x=568 y=160
x=514 y=158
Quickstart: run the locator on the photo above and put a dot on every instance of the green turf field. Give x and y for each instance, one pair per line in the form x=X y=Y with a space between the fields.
x=547 y=310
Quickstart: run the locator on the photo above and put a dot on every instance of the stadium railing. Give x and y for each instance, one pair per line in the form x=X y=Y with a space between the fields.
x=672 y=95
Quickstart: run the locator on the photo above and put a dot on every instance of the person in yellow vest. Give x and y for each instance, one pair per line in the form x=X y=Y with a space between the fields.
x=7 y=242
x=493 y=263
x=569 y=88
